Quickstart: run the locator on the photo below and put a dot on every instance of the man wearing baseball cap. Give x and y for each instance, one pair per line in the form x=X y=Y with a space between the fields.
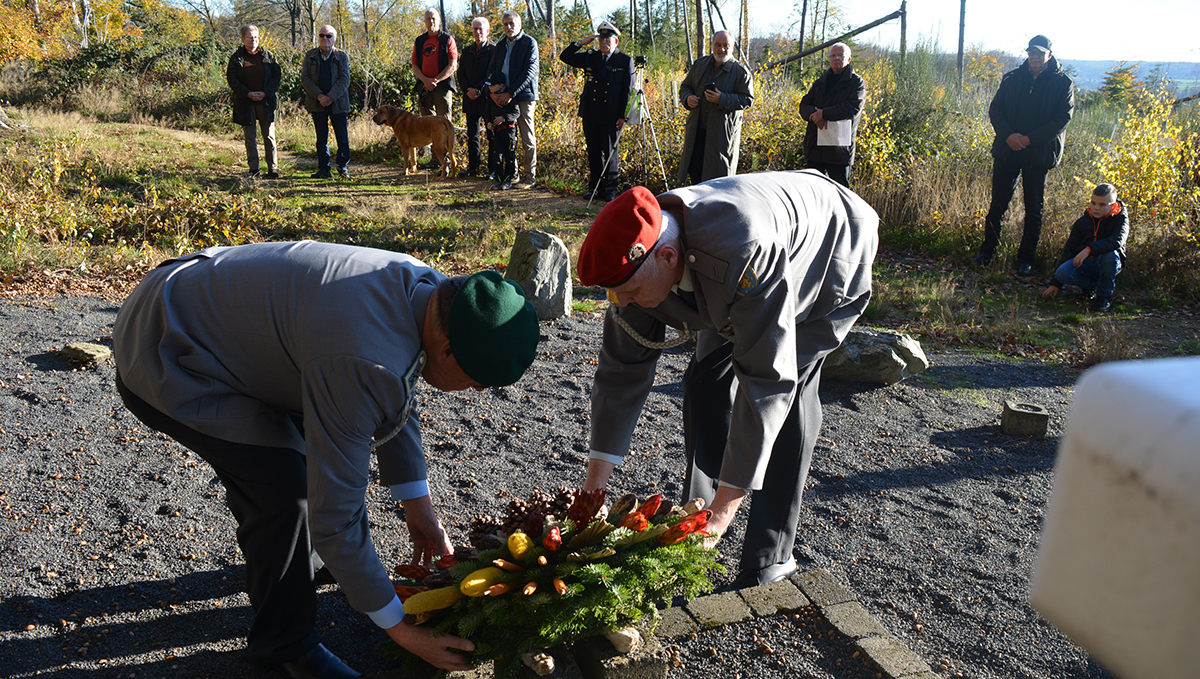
x=604 y=103
x=285 y=366
x=1030 y=114
x=771 y=270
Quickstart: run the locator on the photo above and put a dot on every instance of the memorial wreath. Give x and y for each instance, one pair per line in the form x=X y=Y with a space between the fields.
x=558 y=569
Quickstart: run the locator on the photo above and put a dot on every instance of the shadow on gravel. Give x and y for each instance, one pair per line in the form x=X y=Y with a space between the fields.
x=994 y=374
x=48 y=361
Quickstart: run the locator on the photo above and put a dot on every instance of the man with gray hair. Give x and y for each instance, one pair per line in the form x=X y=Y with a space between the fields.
x=770 y=290
x=833 y=108
x=253 y=75
x=517 y=58
x=716 y=91
x=325 y=76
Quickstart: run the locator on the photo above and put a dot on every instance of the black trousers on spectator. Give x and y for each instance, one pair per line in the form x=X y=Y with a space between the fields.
x=600 y=133
x=709 y=386
x=475 y=127
x=502 y=153
x=696 y=162
x=1005 y=172
x=838 y=173
x=267 y=490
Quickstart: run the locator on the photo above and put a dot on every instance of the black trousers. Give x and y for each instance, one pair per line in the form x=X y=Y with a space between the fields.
x=708 y=388
x=838 y=173
x=502 y=153
x=1005 y=172
x=600 y=133
x=267 y=490
x=696 y=162
x=475 y=127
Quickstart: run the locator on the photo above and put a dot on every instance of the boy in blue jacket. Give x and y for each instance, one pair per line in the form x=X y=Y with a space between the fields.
x=1095 y=250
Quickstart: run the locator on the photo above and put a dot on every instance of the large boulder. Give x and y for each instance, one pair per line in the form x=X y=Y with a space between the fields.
x=541 y=264
x=878 y=356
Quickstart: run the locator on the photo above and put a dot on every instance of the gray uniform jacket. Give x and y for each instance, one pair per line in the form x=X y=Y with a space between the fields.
x=232 y=341
x=781 y=266
x=721 y=122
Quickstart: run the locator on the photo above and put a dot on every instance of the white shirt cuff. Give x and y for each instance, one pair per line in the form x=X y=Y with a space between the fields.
x=410 y=490
x=605 y=457
x=389 y=616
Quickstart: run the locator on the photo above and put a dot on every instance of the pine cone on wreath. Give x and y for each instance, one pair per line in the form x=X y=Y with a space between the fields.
x=563 y=497
x=515 y=515
x=481 y=527
x=539 y=502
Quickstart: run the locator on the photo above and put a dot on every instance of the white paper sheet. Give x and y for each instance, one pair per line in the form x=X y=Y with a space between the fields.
x=836 y=133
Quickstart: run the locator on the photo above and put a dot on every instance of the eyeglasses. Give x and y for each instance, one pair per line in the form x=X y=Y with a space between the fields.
x=326 y=36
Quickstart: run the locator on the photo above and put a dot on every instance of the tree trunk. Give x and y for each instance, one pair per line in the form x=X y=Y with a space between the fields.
x=649 y=25
x=699 y=28
x=36 y=11
x=687 y=35
x=803 y=18
x=550 y=22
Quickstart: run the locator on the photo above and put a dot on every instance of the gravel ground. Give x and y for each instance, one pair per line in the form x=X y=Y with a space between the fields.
x=117 y=556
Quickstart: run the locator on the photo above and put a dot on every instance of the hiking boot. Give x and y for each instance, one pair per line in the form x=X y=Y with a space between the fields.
x=1102 y=304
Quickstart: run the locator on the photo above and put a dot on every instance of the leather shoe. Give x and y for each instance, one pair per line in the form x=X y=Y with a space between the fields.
x=323 y=577
x=318 y=663
x=1024 y=269
x=1102 y=304
x=765 y=575
x=978 y=260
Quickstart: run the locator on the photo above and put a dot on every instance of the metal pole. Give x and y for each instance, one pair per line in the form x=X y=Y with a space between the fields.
x=962 y=33
x=903 y=31
x=818 y=48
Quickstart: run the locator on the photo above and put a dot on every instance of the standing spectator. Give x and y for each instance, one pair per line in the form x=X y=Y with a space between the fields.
x=517 y=58
x=434 y=60
x=1030 y=114
x=1095 y=250
x=837 y=97
x=716 y=91
x=603 y=104
x=253 y=75
x=326 y=81
x=473 y=64
x=502 y=114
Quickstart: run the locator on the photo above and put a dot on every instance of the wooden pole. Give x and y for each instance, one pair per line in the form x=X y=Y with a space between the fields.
x=962 y=34
x=903 y=30
x=803 y=18
x=817 y=48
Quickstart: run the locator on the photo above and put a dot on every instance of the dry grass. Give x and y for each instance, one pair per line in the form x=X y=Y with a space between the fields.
x=1104 y=341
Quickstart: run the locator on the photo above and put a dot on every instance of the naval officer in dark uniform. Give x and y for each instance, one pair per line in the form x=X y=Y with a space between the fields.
x=603 y=105
x=771 y=269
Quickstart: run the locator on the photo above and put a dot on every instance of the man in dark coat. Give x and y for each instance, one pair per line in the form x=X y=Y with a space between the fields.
x=253 y=75
x=716 y=90
x=604 y=103
x=473 y=63
x=836 y=97
x=1030 y=114
x=325 y=77
x=1095 y=250
x=517 y=58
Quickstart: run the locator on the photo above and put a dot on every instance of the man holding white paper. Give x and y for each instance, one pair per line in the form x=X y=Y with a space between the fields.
x=833 y=108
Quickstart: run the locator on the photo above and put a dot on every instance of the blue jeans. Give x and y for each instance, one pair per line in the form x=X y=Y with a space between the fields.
x=1097 y=272
x=321 y=121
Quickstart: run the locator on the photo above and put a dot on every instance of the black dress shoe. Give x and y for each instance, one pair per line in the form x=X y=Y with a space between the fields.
x=1024 y=269
x=324 y=577
x=322 y=174
x=318 y=663
x=765 y=575
x=978 y=260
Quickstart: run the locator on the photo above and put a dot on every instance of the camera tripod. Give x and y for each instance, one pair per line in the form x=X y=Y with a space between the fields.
x=637 y=111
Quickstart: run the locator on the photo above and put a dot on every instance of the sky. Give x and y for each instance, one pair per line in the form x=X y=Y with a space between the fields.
x=1147 y=32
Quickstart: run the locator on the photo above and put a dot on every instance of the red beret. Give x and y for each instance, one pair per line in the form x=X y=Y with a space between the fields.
x=624 y=232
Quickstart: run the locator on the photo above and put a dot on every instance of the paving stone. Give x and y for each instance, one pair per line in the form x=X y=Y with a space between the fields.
x=598 y=659
x=892 y=656
x=823 y=588
x=726 y=608
x=853 y=620
x=676 y=623
x=777 y=597
x=85 y=352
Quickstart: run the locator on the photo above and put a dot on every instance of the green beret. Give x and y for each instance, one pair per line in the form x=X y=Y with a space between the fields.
x=493 y=329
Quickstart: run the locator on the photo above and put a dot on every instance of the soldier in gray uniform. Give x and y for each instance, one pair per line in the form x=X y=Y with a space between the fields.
x=285 y=366
x=771 y=270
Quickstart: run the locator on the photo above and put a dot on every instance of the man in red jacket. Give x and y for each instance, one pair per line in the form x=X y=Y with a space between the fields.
x=1095 y=250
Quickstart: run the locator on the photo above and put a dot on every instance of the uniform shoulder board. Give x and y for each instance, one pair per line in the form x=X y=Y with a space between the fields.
x=410 y=394
x=706 y=265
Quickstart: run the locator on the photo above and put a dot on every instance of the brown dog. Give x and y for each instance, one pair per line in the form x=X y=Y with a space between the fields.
x=414 y=132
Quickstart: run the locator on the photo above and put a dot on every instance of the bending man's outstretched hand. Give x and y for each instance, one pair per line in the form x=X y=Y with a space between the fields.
x=438 y=650
x=428 y=536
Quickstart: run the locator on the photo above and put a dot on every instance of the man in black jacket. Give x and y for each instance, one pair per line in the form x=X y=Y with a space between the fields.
x=1095 y=250
x=836 y=97
x=473 y=63
x=517 y=58
x=253 y=75
x=603 y=104
x=1030 y=114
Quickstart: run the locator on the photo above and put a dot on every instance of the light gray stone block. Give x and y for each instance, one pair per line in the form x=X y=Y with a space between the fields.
x=892 y=656
x=777 y=597
x=85 y=352
x=1024 y=420
x=719 y=609
x=598 y=659
x=675 y=623
x=823 y=588
x=853 y=620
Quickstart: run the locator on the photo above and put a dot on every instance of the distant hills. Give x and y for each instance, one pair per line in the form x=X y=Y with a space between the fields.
x=1183 y=75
